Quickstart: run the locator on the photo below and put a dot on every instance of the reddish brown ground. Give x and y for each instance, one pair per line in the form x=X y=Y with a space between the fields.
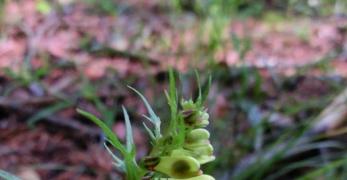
x=59 y=152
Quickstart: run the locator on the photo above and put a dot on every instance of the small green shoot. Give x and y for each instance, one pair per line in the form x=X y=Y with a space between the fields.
x=184 y=143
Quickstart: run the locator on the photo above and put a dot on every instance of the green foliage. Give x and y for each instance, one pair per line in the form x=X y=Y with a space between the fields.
x=241 y=45
x=108 y=7
x=325 y=169
x=27 y=75
x=50 y=110
x=247 y=8
x=128 y=165
x=206 y=8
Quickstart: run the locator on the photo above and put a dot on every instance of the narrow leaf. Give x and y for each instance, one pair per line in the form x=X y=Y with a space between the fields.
x=148 y=118
x=199 y=98
x=206 y=89
x=172 y=100
x=108 y=132
x=129 y=135
x=115 y=158
x=153 y=117
x=118 y=162
x=47 y=112
x=150 y=133
x=323 y=170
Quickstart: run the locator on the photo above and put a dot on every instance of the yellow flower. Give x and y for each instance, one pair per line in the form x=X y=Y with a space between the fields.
x=179 y=166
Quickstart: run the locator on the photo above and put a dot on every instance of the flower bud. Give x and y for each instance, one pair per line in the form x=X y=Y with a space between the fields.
x=193 y=115
x=197 y=135
x=195 y=118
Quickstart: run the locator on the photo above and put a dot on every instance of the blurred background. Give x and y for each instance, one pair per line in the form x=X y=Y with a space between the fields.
x=277 y=103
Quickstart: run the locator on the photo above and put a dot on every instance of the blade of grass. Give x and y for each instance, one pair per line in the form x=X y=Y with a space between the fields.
x=203 y=89
x=108 y=132
x=312 y=146
x=8 y=176
x=47 y=112
x=206 y=89
x=291 y=167
x=333 y=165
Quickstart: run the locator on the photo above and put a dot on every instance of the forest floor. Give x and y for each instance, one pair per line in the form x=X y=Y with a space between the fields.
x=52 y=62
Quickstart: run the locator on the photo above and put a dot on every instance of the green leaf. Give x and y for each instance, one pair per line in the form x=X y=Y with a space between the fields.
x=88 y=90
x=323 y=170
x=7 y=176
x=129 y=136
x=47 y=112
x=118 y=162
x=153 y=117
x=203 y=90
x=108 y=132
x=172 y=100
x=198 y=99
x=206 y=89
x=150 y=133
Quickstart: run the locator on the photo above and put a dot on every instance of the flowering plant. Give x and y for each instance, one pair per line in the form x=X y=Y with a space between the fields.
x=179 y=152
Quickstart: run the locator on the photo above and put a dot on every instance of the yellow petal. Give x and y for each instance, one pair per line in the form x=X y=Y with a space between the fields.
x=201 y=157
x=200 y=148
x=197 y=135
